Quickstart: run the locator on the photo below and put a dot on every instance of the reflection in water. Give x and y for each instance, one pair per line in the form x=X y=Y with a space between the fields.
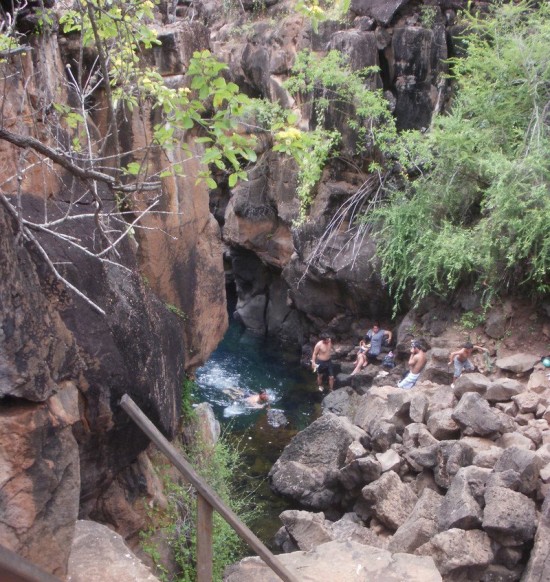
x=251 y=363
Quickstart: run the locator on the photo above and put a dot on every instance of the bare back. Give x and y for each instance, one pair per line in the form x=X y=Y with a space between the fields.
x=417 y=361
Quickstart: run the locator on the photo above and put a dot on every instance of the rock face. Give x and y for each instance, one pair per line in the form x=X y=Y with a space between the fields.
x=348 y=561
x=63 y=363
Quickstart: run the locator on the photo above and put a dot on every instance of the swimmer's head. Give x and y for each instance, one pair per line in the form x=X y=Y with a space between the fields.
x=263 y=396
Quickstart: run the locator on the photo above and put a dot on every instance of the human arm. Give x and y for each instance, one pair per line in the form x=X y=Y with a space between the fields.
x=315 y=352
x=453 y=356
x=388 y=335
x=481 y=349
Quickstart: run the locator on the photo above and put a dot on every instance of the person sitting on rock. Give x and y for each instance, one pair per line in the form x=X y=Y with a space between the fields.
x=417 y=361
x=461 y=360
x=371 y=346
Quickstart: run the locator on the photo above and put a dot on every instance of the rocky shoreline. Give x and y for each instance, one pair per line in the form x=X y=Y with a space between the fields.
x=457 y=475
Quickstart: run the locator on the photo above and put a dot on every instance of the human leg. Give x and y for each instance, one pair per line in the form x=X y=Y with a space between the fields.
x=360 y=363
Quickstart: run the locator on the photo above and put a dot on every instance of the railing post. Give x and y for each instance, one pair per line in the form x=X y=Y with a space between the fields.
x=204 y=540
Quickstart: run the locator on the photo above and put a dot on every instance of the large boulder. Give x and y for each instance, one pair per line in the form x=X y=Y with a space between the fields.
x=307 y=470
x=509 y=517
x=349 y=561
x=477 y=418
x=459 y=554
x=391 y=500
x=538 y=567
x=98 y=554
x=517 y=363
x=461 y=506
x=420 y=526
x=517 y=469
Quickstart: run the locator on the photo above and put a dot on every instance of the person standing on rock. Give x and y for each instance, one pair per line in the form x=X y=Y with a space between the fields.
x=417 y=361
x=371 y=346
x=321 y=362
x=461 y=360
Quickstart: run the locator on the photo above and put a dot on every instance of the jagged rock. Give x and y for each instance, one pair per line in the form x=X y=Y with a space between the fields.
x=440 y=398
x=420 y=526
x=419 y=408
x=417 y=435
x=485 y=452
x=349 y=528
x=307 y=469
x=498 y=573
x=459 y=554
x=40 y=479
x=477 y=418
x=423 y=457
x=383 y=404
x=383 y=435
x=527 y=402
x=442 y=425
x=515 y=439
x=360 y=472
x=503 y=389
x=98 y=554
x=474 y=382
x=517 y=363
x=381 y=10
x=451 y=456
x=461 y=507
x=355 y=451
x=389 y=460
x=497 y=322
x=509 y=517
x=538 y=567
x=391 y=500
x=306 y=529
x=538 y=381
x=341 y=402
x=337 y=560
x=517 y=469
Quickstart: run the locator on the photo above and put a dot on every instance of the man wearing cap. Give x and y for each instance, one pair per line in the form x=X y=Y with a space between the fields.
x=417 y=361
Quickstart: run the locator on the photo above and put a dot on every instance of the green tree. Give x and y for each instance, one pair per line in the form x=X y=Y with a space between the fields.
x=480 y=210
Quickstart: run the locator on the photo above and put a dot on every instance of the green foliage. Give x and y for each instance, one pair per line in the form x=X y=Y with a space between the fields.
x=428 y=16
x=187 y=400
x=480 y=211
x=318 y=11
x=210 y=104
x=471 y=320
x=220 y=467
x=177 y=311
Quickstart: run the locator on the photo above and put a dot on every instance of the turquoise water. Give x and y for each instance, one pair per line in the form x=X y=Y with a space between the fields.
x=250 y=363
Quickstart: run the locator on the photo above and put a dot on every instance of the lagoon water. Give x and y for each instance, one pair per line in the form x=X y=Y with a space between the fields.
x=249 y=363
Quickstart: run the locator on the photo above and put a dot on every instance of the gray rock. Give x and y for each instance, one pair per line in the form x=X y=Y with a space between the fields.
x=308 y=468
x=417 y=435
x=461 y=507
x=518 y=469
x=420 y=526
x=538 y=567
x=350 y=529
x=459 y=554
x=360 y=472
x=389 y=461
x=477 y=418
x=503 y=389
x=98 y=554
x=419 y=407
x=518 y=363
x=391 y=500
x=340 y=561
x=451 y=456
x=423 y=457
x=443 y=426
x=527 y=401
x=497 y=323
x=474 y=382
x=306 y=529
x=381 y=10
x=340 y=402
x=509 y=517
x=515 y=439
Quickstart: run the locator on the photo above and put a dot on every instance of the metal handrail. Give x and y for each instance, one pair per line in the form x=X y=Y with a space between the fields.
x=208 y=500
x=14 y=568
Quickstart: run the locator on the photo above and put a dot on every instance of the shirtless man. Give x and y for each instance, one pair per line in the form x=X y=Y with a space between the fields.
x=321 y=363
x=417 y=361
x=257 y=400
x=461 y=360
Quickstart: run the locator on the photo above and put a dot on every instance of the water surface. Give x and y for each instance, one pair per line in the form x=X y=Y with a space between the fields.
x=250 y=363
